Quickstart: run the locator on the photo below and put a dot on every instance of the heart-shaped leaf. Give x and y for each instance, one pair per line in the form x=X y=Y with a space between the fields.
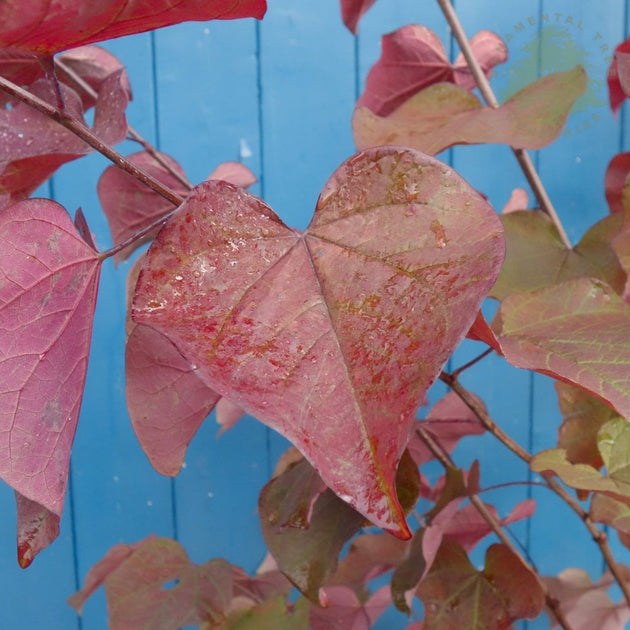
x=48 y=282
x=48 y=27
x=331 y=336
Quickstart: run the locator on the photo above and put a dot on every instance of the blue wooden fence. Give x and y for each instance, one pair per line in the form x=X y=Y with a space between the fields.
x=278 y=96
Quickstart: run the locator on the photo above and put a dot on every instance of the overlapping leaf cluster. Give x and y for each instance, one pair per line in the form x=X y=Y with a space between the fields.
x=332 y=336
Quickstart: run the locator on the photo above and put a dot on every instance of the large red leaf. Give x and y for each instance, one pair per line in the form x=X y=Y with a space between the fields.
x=33 y=146
x=413 y=58
x=45 y=27
x=331 y=336
x=577 y=331
x=446 y=114
x=48 y=282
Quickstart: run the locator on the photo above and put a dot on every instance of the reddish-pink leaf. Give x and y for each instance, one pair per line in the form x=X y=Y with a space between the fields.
x=352 y=11
x=413 y=58
x=519 y=200
x=45 y=27
x=345 y=611
x=228 y=414
x=167 y=401
x=37 y=527
x=615 y=183
x=445 y=114
x=130 y=205
x=154 y=585
x=449 y=420
x=489 y=50
x=586 y=604
x=19 y=67
x=489 y=600
x=467 y=527
x=33 y=146
x=481 y=331
x=102 y=569
x=48 y=282
x=619 y=76
x=577 y=331
x=235 y=173
x=92 y=65
x=312 y=332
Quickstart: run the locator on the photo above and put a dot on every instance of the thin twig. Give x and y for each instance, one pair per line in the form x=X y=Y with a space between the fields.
x=486 y=91
x=597 y=534
x=444 y=458
x=82 y=131
x=133 y=134
x=472 y=362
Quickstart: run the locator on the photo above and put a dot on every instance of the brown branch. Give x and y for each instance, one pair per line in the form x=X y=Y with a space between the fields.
x=597 y=534
x=441 y=454
x=133 y=134
x=82 y=131
x=521 y=155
